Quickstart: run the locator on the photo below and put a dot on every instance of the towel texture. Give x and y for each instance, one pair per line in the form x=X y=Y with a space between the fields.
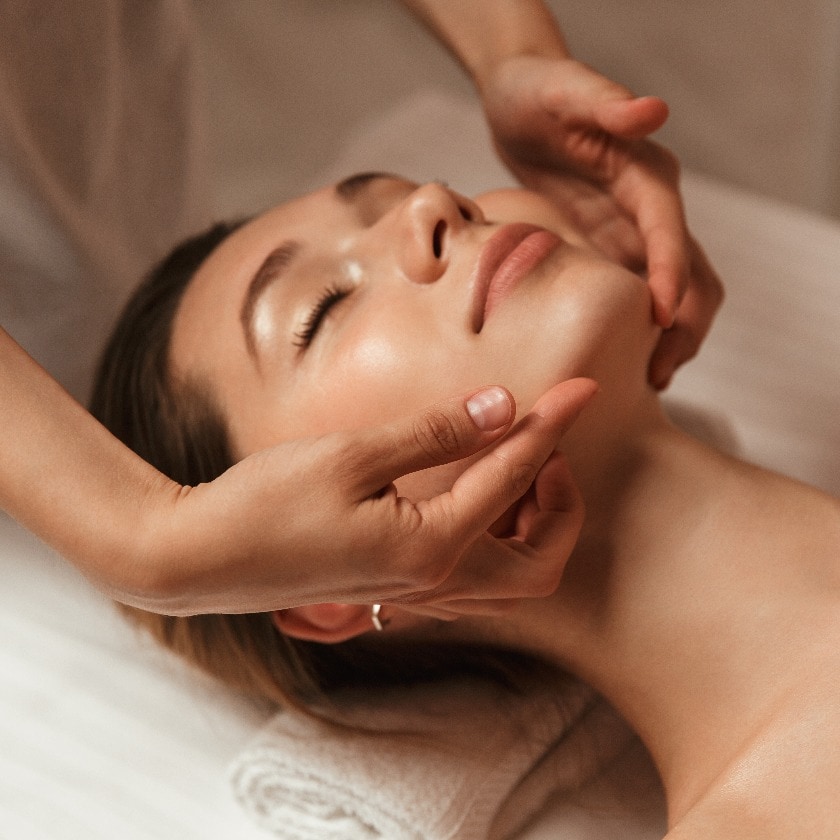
x=466 y=761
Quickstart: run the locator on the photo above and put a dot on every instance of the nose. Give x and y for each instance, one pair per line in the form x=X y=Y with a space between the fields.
x=428 y=223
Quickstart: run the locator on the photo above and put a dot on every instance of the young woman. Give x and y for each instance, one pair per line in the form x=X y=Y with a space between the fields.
x=703 y=597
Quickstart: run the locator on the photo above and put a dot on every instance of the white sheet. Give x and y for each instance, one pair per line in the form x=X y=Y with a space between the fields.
x=772 y=362
x=102 y=736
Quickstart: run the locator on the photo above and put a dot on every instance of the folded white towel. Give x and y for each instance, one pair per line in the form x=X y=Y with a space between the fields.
x=456 y=760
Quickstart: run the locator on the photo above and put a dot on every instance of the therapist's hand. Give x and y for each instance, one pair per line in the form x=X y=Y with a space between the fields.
x=694 y=317
x=581 y=139
x=319 y=520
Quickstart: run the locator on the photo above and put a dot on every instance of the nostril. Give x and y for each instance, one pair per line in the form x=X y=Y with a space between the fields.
x=437 y=238
x=465 y=213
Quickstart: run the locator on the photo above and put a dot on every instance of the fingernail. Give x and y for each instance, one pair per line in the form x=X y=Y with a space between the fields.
x=490 y=409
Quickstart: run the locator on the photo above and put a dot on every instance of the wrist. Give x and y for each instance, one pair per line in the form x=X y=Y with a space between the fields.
x=483 y=34
x=157 y=559
x=519 y=28
x=121 y=545
x=71 y=482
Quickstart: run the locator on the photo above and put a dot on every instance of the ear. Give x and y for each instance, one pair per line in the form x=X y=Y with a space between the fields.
x=326 y=623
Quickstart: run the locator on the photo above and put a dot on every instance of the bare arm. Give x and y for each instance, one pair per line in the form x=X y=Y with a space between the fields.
x=483 y=35
x=294 y=524
x=63 y=476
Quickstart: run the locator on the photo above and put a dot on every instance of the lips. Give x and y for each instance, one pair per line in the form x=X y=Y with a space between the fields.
x=507 y=257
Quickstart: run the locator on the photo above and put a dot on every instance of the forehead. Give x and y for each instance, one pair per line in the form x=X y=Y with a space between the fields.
x=208 y=313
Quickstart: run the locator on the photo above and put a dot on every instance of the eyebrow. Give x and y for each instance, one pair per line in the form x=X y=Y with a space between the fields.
x=348 y=190
x=273 y=266
x=270 y=270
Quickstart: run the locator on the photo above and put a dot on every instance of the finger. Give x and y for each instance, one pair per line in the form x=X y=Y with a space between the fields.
x=694 y=319
x=676 y=346
x=587 y=98
x=656 y=202
x=450 y=610
x=618 y=238
x=554 y=490
x=579 y=94
x=457 y=607
x=667 y=271
x=489 y=487
x=441 y=612
x=495 y=572
x=445 y=432
x=632 y=118
x=595 y=212
x=552 y=525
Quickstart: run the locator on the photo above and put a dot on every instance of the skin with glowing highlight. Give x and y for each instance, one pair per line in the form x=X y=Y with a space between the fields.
x=399 y=266
x=695 y=574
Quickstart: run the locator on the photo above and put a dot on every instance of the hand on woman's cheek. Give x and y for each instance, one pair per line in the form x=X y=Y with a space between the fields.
x=427 y=484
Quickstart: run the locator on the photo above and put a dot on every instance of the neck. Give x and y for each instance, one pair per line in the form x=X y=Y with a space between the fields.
x=677 y=602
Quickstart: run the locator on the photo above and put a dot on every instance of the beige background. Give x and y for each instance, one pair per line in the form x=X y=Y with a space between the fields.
x=754 y=85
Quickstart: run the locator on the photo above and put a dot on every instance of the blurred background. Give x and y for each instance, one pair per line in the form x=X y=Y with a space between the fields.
x=753 y=85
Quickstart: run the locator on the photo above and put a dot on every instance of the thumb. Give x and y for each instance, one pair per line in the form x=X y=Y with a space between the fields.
x=631 y=118
x=484 y=491
x=447 y=431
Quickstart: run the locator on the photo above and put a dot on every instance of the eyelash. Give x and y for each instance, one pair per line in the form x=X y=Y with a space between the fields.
x=331 y=295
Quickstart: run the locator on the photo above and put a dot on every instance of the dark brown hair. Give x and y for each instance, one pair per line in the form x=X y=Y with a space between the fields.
x=177 y=427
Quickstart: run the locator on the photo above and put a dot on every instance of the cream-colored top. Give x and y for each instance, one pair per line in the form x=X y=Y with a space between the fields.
x=102 y=165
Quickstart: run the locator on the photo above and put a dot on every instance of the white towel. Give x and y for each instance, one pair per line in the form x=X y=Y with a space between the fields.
x=454 y=761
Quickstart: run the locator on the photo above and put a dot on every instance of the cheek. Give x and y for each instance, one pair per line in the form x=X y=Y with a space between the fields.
x=377 y=373
x=518 y=205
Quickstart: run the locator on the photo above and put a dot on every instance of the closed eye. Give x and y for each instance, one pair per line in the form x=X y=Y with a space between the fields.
x=331 y=295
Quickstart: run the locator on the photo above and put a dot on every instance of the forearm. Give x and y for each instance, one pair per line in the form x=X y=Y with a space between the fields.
x=481 y=34
x=66 y=478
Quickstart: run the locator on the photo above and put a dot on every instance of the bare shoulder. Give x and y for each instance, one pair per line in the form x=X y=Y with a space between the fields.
x=785 y=783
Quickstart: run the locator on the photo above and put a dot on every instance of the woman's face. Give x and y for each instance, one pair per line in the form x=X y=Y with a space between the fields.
x=362 y=302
